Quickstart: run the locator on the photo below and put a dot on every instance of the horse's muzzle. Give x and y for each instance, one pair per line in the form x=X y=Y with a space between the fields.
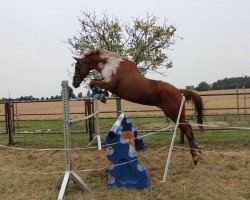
x=76 y=82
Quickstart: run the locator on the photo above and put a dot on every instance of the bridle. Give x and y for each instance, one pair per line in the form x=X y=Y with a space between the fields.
x=77 y=76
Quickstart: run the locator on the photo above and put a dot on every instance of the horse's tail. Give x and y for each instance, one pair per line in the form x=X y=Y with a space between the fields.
x=197 y=101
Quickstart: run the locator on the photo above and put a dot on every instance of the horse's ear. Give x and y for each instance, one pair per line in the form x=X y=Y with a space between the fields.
x=77 y=58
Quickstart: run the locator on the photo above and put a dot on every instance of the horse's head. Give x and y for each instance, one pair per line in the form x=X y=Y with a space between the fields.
x=81 y=71
x=85 y=64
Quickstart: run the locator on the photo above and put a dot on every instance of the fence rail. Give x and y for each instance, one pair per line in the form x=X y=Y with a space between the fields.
x=216 y=104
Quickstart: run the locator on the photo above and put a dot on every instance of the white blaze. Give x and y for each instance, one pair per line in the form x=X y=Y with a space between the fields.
x=110 y=67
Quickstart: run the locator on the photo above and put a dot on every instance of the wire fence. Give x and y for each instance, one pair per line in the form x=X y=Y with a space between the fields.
x=120 y=164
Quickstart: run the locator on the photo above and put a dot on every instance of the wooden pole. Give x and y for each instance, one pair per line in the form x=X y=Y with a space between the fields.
x=89 y=109
x=17 y=119
x=237 y=96
x=9 y=121
x=245 y=105
x=118 y=106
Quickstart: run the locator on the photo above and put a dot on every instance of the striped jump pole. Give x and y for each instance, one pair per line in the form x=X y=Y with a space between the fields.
x=116 y=125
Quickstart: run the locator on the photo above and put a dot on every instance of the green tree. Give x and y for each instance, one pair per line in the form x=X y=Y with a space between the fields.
x=79 y=95
x=143 y=40
x=88 y=93
x=232 y=83
x=203 y=86
x=71 y=93
x=57 y=97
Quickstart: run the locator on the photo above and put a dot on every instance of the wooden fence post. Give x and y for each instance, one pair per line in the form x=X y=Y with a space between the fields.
x=118 y=106
x=10 y=121
x=17 y=119
x=90 y=123
x=245 y=105
x=237 y=96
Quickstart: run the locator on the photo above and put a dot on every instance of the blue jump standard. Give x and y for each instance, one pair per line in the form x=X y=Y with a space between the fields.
x=131 y=174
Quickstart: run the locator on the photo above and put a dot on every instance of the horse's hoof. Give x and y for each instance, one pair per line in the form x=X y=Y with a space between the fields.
x=103 y=99
x=195 y=160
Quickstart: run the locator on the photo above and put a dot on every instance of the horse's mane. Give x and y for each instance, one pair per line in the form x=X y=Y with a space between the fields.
x=101 y=52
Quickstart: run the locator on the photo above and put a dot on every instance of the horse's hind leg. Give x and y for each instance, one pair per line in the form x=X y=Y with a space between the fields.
x=171 y=109
x=188 y=132
x=194 y=143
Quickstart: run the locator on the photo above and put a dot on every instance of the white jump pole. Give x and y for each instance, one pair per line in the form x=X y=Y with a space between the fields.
x=69 y=174
x=98 y=133
x=172 y=142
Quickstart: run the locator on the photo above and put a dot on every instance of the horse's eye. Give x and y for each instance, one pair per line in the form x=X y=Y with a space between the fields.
x=77 y=67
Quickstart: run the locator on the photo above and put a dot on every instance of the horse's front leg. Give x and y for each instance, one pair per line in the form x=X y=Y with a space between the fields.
x=100 y=83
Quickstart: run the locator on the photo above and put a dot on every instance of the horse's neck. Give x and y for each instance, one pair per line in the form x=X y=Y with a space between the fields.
x=116 y=67
x=131 y=67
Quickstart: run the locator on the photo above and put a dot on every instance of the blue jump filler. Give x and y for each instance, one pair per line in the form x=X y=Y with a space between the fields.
x=124 y=169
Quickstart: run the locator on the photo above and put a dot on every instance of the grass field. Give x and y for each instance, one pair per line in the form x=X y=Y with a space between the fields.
x=223 y=171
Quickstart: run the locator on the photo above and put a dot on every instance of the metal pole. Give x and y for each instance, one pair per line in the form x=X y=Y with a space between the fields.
x=66 y=122
x=69 y=174
x=172 y=142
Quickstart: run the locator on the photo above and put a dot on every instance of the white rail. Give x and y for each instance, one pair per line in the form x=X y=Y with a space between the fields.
x=172 y=142
x=84 y=118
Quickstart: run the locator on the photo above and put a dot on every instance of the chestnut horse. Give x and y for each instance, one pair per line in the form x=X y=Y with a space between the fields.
x=121 y=77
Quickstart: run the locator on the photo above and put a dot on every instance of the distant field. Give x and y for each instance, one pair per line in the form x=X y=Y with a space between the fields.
x=78 y=106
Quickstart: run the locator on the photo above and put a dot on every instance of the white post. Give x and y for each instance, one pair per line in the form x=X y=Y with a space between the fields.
x=69 y=174
x=66 y=120
x=172 y=142
x=97 y=122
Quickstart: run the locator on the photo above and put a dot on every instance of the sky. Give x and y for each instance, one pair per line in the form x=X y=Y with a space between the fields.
x=34 y=58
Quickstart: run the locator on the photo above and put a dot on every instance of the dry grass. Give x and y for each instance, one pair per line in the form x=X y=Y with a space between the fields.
x=224 y=175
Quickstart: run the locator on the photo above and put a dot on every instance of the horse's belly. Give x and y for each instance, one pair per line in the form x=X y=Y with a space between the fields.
x=140 y=98
x=144 y=91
